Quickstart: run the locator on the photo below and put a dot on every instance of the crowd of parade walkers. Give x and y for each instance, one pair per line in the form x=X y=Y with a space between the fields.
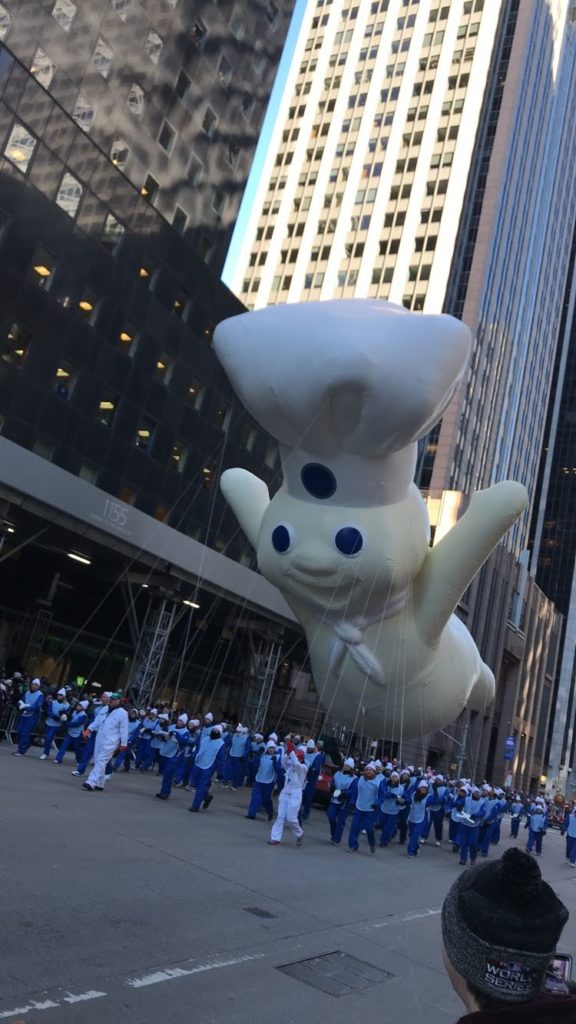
x=401 y=803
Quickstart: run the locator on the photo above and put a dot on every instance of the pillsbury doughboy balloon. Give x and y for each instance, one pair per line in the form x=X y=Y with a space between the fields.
x=347 y=387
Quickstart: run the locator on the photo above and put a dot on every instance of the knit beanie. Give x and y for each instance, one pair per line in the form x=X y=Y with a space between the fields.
x=501 y=923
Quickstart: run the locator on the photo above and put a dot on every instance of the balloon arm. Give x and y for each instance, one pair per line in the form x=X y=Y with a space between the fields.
x=248 y=498
x=452 y=564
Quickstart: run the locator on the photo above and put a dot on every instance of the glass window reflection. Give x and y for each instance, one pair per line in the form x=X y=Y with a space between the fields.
x=136 y=100
x=20 y=147
x=69 y=194
x=64 y=12
x=102 y=57
x=42 y=67
x=153 y=47
x=5 y=21
x=83 y=113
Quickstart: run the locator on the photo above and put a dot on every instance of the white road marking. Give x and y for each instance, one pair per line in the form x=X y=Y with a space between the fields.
x=412 y=915
x=48 y=1005
x=179 y=972
x=83 y=997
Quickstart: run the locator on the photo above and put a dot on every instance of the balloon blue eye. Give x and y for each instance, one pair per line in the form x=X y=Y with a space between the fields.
x=318 y=480
x=349 y=541
x=282 y=538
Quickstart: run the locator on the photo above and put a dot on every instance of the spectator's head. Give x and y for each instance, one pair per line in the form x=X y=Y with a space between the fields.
x=501 y=923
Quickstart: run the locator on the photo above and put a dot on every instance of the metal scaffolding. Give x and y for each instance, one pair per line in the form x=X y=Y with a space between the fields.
x=151 y=648
x=265 y=661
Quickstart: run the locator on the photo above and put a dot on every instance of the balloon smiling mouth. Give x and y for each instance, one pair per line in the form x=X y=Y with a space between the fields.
x=335 y=584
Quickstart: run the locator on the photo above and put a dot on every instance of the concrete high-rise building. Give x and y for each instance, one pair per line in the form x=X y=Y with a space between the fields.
x=423 y=153
x=173 y=91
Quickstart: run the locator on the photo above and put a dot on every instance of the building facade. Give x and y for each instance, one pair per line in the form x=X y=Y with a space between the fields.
x=172 y=92
x=424 y=155
x=118 y=552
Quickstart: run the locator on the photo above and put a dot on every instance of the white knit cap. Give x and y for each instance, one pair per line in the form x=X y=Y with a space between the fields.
x=194 y=721
x=61 y=693
x=209 y=717
x=164 y=718
x=349 y=762
x=35 y=682
x=258 y=736
x=183 y=718
x=218 y=728
x=310 y=745
x=240 y=728
x=273 y=736
x=83 y=704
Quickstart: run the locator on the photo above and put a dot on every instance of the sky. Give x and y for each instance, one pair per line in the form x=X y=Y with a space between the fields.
x=267 y=125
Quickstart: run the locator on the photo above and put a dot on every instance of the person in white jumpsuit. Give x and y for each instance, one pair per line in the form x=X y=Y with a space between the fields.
x=112 y=736
x=291 y=796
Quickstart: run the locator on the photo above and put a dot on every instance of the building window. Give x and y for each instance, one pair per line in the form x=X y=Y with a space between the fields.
x=150 y=188
x=20 y=147
x=196 y=392
x=179 y=456
x=89 y=473
x=43 y=448
x=42 y=68
x=232 y=154
x=225 y=71
x=272 y=13
x=145 y=433
x=69 y=194
x=182 y=85
x=223 y=416
x=112 y=234
x=43 y=268
x=106 y=409
x=102 y=58
x=247 y=104
x=237 y=23
x=209 y=122
x=88 y=306
x=65 y=381
x=128 y=339
x=5 y=21
x=219 y=202
x=122 y=8
x=83 y=113
x=181 y=304
x=120 y=153
x=163 y=369
x=199 y=33
x=179 y=220
x=64 y=12
x=195 y=170
x=167 y=136
x=153 y=47
x=16 y=345
x=135 y=100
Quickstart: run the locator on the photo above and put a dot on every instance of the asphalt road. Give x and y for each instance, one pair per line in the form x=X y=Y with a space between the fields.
x=116 y=906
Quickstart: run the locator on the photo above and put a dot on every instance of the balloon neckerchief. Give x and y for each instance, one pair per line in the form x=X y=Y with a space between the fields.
x=349 y=637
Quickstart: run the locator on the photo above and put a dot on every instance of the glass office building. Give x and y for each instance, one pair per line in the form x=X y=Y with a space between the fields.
x=172 y=92
x=115 y=423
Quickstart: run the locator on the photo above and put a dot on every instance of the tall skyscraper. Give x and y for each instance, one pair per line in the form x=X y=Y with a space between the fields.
x=424 y=154
x=173 y=91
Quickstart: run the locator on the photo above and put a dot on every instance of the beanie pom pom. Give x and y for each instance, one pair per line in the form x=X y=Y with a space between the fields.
x=520 y=874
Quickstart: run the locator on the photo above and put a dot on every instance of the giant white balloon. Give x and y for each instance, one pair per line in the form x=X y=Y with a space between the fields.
x=347 y=387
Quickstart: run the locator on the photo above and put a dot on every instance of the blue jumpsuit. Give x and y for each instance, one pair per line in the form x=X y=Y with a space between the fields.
x=29 y=718
x=173 y=743
x=237 y=760
x=538 y=826
x=570 y=830
x=313 y=761
x=209 y=759
x=73 y=737
x=417 y=821
x=393 y=801
x=144 y=747
x=338 y=809
x=468 y=834
x=56 y=708
x=364 y=796
x=266 y=779
x=517 y=811
x=436 y=809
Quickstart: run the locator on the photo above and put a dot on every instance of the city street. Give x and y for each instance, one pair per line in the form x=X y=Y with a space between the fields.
x=119 y=907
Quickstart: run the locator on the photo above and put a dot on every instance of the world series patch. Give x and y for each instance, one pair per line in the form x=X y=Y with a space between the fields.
x=509 y=976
